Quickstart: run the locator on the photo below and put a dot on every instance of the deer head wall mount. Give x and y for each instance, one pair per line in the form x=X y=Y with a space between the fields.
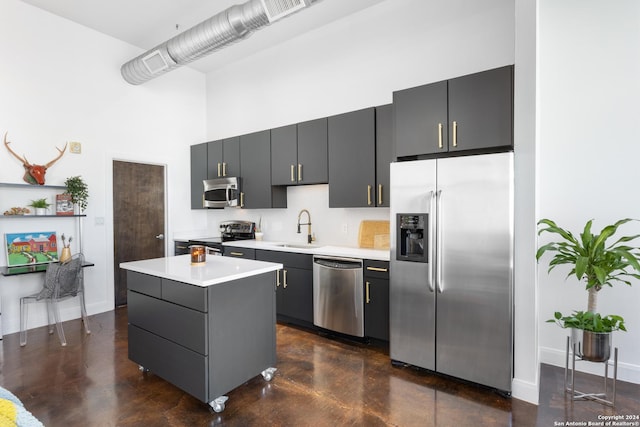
x=33 y=174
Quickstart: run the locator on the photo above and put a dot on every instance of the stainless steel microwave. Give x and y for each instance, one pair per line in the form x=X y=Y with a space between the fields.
x=221 y=192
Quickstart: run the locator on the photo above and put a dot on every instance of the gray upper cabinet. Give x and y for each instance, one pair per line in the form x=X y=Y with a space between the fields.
x=420 y=116
x=312 y=165
x=284 y=155
x=223 y=157
x=257 y=191
x=481 y=110
x=473 y=112
x=352 y=148
x=384 y=153
x=198 y=174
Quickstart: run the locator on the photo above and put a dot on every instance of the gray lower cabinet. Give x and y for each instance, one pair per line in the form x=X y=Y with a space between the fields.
x=376 y=308
x=294 y=286
x=204 y=340
x=257 y=191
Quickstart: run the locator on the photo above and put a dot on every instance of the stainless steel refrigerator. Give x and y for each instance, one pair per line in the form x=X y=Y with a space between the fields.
x=451 y=288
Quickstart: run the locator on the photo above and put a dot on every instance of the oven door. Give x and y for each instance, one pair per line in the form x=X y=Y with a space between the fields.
x=221 y=192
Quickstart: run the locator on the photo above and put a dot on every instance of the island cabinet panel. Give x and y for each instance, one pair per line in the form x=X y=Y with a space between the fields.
x=184 y=368
x=242 y=327
x=144 y=284
x=179 y=324
x=294 y=286
x=206 y=340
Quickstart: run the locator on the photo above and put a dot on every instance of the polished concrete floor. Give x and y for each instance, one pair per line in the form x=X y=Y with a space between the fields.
x=321 y=381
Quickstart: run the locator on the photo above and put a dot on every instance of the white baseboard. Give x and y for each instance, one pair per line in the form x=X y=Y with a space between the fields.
x=626 y=371
x=523 y=390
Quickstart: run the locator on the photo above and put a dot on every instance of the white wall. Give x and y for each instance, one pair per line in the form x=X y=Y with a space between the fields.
x=61 y=82
x=588 y=167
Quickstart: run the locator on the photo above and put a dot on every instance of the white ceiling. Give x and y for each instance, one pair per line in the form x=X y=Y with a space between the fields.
x=147 y=23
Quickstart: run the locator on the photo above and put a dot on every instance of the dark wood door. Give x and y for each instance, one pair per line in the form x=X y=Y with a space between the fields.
x=138 y=218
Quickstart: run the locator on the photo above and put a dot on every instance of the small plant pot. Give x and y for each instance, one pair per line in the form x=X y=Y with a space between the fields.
x=41 y=211
x=592 y=346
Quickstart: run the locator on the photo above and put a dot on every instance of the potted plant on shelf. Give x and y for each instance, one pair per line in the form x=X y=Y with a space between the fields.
x=40 y=206
x=78 y=190
x=598 y=265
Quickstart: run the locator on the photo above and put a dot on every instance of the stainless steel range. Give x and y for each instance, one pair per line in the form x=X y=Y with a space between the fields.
x=229 y=231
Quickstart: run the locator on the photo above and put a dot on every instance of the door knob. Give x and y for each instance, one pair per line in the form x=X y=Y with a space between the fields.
x=160 y=237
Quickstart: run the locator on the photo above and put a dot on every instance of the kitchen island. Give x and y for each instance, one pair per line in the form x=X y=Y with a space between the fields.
x=205 y=328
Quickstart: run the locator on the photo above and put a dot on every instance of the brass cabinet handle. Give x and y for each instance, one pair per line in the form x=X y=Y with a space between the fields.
x=293 y=168
x=380 y=194
x=383 y=270
x=439 y=135
x=242 y=199
x=224 y=169
x=455 y=133
x=236 y=253
x=368 y=300
x=299 y=172
x=219 y=169
x=369 y=195
x=277 y=278
x=284 y=274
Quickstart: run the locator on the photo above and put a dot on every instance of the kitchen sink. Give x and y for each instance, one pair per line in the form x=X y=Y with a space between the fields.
x=297 y=245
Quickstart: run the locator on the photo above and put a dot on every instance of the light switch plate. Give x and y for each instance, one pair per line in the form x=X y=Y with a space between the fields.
x=75 y=147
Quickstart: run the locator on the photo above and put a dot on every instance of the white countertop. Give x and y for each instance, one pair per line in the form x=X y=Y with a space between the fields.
x=342 y=251
x=216 y=269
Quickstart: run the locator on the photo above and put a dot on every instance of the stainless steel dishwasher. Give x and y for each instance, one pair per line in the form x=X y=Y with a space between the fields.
x=338 y=295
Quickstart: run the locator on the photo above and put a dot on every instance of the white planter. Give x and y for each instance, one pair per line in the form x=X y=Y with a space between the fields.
x=41 y=211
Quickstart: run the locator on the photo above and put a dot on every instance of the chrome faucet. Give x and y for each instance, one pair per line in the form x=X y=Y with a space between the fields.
x=310 y=237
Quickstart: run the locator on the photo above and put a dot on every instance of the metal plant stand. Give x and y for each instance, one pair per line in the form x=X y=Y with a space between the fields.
x=569 y=377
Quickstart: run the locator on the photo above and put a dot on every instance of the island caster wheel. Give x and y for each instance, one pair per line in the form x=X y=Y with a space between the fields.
x=267 y=374
x=143 y=369
x=218 y=404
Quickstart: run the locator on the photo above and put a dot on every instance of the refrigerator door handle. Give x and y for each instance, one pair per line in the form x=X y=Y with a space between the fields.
x=431 y=278
x=439 y=239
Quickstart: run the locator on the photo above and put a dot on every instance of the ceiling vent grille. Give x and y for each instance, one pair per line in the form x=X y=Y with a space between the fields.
x=277 y=9
x=231 y=25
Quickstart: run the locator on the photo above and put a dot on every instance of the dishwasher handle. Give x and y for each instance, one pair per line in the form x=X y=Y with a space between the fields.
x=339 y=263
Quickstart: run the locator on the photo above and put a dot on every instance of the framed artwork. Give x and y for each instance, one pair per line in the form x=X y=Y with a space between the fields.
x=31 y=248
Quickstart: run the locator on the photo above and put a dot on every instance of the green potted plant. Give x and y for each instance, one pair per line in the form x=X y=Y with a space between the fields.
x=40 y=206
x=78 y=190
x=598 y=265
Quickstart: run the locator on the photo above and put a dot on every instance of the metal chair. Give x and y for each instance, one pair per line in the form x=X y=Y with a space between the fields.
x=62 y=281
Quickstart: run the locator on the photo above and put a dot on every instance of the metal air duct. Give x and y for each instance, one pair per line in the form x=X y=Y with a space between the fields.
x=228 y=26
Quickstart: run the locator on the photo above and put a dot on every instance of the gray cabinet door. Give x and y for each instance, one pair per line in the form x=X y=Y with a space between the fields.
x=214 y=159
x=376 y=307
x=312 y=152
x=384 y=153
x=284 y=155
x=255 y=161
x=481 y=110
x=231 y=156
x=198 y=174
x=420 y=120
x=352 y=159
